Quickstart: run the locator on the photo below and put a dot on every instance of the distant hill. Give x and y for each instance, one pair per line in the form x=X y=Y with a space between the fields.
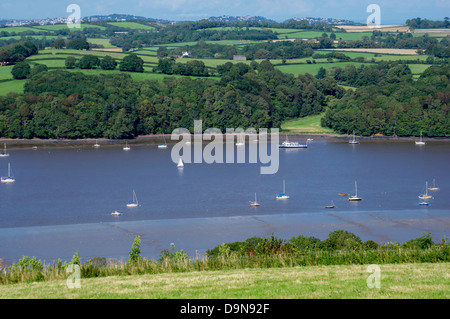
x=120 y=17
x=231 y=19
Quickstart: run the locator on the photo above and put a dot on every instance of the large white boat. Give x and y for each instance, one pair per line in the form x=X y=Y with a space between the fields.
x=287 y=144
x=135 y=202
x=283 y=195
x=353 y=140
x=420 y=141
x=116 y=213
x=9 y=178
x=355 y=197
x=4 y=153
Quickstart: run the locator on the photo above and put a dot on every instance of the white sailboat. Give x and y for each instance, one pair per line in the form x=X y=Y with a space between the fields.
x=330 y=206
x=133 y=203
x=126 y=147
x=420 y=141
x=180 y=163
x=353 y=141
x=283 y=195
x=9 y=178
x=4 y=153
x=355 y=197
x=240 y=141
x=434 y=187
x=163 y=145
x=255 y=203
x=96 y=145
x=425 y=196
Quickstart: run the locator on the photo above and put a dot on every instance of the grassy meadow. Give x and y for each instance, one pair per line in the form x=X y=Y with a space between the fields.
x=307 y=124
x=397 y=281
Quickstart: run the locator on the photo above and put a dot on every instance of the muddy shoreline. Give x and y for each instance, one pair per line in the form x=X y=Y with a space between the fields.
x=161 y=138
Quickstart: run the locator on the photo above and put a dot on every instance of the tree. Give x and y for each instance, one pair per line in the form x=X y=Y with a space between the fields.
x=78 y=44
x=37 y=69
x=71 y=62
x=88 y=62
x=321 y=73
x=135 y=252
x=108 y=63
x=20 y=70
x=132 y=63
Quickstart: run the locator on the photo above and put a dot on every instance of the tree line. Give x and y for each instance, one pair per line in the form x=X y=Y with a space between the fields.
x=389 y=101
x=61 y=104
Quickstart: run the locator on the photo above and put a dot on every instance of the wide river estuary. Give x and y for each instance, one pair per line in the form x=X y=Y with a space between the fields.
x=63 y=197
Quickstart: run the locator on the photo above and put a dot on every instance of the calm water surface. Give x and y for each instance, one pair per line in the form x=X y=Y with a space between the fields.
x=62 y=199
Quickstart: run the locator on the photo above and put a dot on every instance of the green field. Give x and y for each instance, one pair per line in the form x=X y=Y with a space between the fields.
x=132 y=25
x=11 y=86
x=307 y=124
x=105 y=42
x=397 y=281
x=297 y=69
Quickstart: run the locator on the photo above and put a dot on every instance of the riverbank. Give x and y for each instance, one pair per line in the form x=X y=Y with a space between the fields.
x=162 y=138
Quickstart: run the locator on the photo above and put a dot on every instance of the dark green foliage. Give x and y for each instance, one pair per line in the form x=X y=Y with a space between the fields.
x=38 y=69
x=20 y=70
x=71 y=62
x=78 y=44
x=73 y=105
x=135 y=252
x=88 y=61
x=108 y=63
x=132 y=63
x=389 y=101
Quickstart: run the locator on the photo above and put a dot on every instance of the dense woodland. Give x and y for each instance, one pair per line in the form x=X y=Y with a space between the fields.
x=60 y=104
x=388 y=101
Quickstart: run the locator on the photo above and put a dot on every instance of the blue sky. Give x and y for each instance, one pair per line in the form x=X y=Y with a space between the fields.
x=392 y=12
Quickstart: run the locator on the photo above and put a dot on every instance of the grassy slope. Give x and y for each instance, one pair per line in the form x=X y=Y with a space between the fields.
x=307 y=124
x=421 y=281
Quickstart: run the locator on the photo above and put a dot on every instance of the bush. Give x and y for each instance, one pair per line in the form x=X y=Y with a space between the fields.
x=20 y=70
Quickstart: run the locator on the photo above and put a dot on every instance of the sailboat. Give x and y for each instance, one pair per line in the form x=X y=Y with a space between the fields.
x=353 y=141
x=355 y=197
x=330 y=206
x=434 y=187
x=126 y=147
x=255 y=203
x=240 y=141
x=283 y=195
x=96 y=145
x=163 y=145
x=180 y=163
x=4 y=154
x=420 y=141
x=9 y=178
x=425 y=196
x=134 y=203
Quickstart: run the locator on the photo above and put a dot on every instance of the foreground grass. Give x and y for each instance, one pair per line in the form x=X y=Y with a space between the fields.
x=410 y=281
x=307 y=124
